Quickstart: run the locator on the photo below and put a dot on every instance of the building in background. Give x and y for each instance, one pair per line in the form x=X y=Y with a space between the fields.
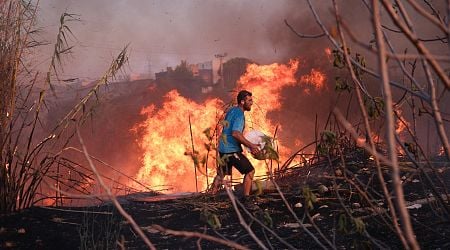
x=205 y=74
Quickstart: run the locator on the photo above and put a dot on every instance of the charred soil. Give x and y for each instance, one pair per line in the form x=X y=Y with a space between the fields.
x=326 y=210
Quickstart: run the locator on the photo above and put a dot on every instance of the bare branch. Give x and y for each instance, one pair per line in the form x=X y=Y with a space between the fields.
x=113 y=198
x=369 y=137
x=435 y=20
x=436 y=113
x=400 y=200
x=242 y=221
x=302 y=35
x=200 y=236
x=418 y=44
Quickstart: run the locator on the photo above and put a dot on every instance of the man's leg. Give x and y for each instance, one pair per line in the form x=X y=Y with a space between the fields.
x=219 y=179
x=248 y=178
x=241 y=162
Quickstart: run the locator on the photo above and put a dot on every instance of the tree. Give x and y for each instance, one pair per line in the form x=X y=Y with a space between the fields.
x=233 y=70
x=182 y=71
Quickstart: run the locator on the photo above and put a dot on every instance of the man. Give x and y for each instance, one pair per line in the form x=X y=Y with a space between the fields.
x=230 y=149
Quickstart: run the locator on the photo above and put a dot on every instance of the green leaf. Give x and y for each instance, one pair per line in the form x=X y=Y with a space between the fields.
x=225 y=123
x=207 y=133
x=259 y=188
x=359 y=225
x=223 y=137
x=310 y=197
x=342 y=224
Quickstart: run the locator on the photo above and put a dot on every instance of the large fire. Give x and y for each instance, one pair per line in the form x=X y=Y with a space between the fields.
x=167 y=161
x=167 y=138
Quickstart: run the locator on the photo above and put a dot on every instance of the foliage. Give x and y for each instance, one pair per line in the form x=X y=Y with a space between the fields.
x=327 y=143
x=358 y=64
x=182 y=71
x=309 y=196
x=99 y=231
x=268 y=152
x=348 y=225
x=264 y=216
x=342 y=84
x=233 y=70
x=33 y=157
x=259 y=187
x=374 y=106
x=211 y=218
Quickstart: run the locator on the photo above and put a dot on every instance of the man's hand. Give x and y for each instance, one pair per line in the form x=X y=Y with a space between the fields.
x=254 y=149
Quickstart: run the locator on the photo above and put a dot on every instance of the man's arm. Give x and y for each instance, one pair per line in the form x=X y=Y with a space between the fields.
x=254 y=148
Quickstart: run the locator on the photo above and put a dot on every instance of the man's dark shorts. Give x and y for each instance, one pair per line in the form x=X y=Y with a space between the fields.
x=238 y=160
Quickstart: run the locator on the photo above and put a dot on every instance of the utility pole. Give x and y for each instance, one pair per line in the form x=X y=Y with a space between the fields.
x=149 y=68
x=220 y=57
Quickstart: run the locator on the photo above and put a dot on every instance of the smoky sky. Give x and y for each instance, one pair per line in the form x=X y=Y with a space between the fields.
x=161 y=33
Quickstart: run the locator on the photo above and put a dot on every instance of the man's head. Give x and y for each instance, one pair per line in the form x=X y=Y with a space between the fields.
x=245 y=100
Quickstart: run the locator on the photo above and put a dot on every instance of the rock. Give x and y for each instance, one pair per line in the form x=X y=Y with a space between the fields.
x=356 y=205
x=295 y=225
x=414 y=206
x=316 y=216
x=292 y=225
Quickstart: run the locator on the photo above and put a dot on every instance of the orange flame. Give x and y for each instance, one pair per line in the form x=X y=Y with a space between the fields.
x=166 y=133
x=167 y=138
x=400 y=129
x=315 y=79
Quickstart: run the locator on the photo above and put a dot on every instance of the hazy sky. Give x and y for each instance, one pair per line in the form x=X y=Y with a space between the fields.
x=161 y=33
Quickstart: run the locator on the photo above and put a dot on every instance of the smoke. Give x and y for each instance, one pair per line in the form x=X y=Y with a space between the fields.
x=161 y=33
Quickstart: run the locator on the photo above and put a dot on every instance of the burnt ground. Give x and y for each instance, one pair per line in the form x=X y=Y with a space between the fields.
x=102 y=226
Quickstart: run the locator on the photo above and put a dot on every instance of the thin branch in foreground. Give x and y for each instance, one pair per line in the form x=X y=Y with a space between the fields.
x=400 y=199
x=113 y=198
x=302 y=35
x=200 y=236
x=369 y=131
x=241 y=219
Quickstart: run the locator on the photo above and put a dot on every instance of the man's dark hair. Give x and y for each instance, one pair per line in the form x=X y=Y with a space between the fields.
x=242 y=94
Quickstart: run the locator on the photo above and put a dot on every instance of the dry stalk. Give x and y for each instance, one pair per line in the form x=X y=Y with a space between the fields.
x=200 y=236
x=114 y=200
x=29 y=160
x=362 y=108
x=417 y=43
x=356 y=63
x=390 y=123
x=436 y=113
x=241 y=219
x=286 y=203
x=432 y=18
x=250 y=215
